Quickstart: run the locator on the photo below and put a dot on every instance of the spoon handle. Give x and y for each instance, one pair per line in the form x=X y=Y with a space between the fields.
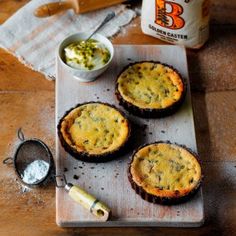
x=108 y=18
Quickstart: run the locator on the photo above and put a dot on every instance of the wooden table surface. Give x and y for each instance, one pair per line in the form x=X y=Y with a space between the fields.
x=27 y=100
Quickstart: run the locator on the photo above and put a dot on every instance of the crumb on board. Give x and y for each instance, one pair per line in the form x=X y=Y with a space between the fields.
x=75 y=177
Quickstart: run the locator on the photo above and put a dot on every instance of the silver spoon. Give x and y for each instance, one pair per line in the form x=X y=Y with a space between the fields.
x=108 y=18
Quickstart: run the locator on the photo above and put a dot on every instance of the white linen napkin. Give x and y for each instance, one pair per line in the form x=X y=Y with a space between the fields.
x=34 y=40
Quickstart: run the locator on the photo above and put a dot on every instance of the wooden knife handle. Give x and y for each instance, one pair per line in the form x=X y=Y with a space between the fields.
x=97 y=208
x=52 y=8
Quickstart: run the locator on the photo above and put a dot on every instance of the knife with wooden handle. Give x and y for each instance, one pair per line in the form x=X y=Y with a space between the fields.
x=96 y=207
x=85 y=199
x=79 y=6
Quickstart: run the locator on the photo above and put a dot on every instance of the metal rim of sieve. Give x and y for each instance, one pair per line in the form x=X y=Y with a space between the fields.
x=13 y=160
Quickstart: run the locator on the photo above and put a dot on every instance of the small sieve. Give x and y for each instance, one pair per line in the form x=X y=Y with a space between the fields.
x=27 y=152
x=32 y=150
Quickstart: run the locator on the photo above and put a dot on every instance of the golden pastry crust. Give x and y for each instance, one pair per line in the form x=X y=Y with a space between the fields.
x=165 y=171
x=94 y=129
x=150 y=87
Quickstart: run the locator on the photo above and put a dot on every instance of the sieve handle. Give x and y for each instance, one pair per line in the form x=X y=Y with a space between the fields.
x=20 y=135
x=8 y=161
x=89 y=202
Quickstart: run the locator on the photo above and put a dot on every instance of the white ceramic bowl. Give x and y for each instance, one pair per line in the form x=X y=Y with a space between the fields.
x=80 y=74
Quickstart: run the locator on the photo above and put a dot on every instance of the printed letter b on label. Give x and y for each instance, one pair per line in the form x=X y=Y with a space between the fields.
x=170 y=19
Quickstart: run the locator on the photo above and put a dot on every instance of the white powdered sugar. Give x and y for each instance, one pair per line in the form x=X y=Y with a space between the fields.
x=35 y=171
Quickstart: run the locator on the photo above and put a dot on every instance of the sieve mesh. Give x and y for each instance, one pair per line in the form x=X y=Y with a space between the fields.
x=29 y=151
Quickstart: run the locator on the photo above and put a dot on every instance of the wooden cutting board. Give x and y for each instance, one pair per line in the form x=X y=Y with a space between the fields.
x=108 y=181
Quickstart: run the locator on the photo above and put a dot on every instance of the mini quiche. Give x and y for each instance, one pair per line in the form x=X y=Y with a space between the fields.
x=164 y=173
x=150 y=89
x=93 y=131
